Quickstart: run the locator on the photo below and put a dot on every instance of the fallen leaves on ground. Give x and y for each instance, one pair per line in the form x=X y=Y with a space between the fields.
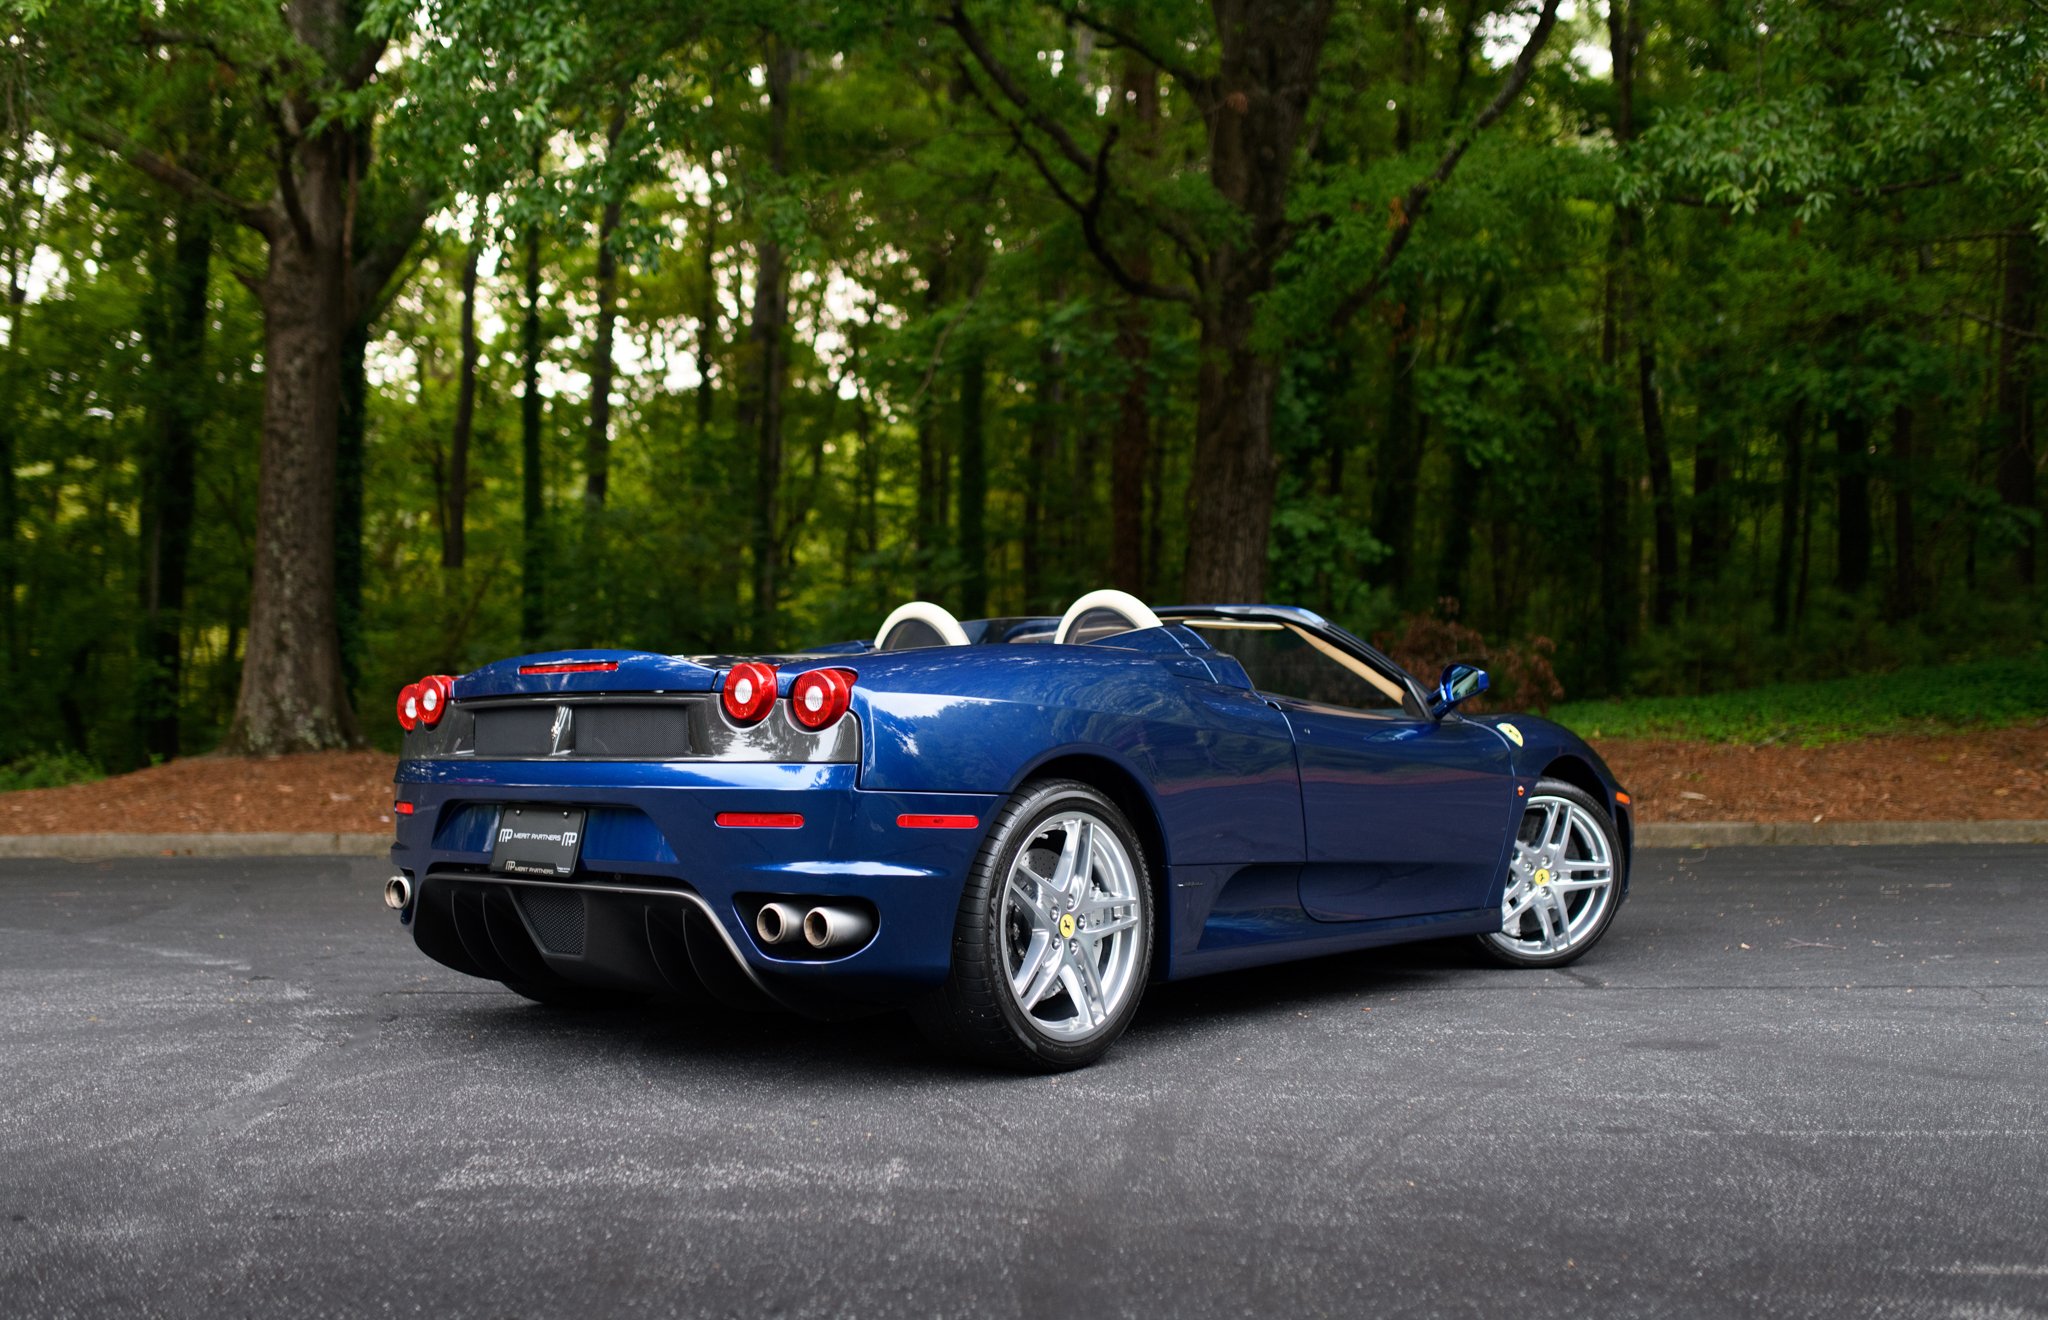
x=1984 y=774
x=316 y=792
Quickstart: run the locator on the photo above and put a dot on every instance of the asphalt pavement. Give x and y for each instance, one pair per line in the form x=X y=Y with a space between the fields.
x=1792 y=1082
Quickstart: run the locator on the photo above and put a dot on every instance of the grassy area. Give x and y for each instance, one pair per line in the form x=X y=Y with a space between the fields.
x=1984 y=693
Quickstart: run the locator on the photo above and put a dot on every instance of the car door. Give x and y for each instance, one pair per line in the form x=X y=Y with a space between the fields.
x=1403 y=815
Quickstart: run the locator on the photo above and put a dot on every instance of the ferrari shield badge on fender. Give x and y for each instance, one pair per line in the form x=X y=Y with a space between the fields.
x=1513 y=734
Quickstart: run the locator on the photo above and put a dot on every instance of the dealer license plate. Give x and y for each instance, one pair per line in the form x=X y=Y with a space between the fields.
x=541 y=841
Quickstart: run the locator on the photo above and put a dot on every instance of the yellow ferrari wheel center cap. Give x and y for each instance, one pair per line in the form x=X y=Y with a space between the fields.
x=1542 y=877
x=1067 y=926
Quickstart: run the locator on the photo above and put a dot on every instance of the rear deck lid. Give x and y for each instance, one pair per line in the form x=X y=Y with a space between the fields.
x=587 y=671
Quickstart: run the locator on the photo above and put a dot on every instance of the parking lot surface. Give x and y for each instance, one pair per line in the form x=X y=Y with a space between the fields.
x=1791 y=1082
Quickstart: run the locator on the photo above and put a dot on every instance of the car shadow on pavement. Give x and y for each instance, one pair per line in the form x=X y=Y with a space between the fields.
x=663 y=1034
x=1313 y=983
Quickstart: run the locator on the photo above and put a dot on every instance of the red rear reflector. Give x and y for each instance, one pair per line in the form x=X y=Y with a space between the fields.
x=916 y=822
x=572 y=667
x=402 y=808
x=1623 y=798
x=760 y=820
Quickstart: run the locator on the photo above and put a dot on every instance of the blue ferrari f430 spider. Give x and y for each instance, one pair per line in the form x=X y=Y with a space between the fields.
x=1007 y=826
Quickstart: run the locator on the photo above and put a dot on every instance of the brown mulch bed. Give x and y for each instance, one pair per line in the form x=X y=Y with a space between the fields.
x=347 y=792
x=1997 y=774
x=1987 y=774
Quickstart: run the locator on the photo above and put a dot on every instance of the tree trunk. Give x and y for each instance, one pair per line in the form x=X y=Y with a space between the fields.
x=1852 y=503
x=1155 y=511
x=1709 y=519
x=928 y=517
x=1042 y=460
x=535 y=553
x=169 y=470
x=1624 y=39
x=318 y=295
x=1468 y=480
x=761 y=399
x=455 y=512
x=1269 y=54
x=597 y=444
x=1904 y=474
x=1614 y=545
x=1663 y=501
x=21 y=245
x=707 y=317
x=294 y=695
x=350 y=466
x=1127 y=450
x=1398 y=465
x=973 y=484
x=1468 y=477
x=1230 y=484
x=1791 y=500
x=2019 y=307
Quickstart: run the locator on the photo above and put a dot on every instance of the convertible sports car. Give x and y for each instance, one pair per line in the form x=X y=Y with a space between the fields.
x=1009 y=826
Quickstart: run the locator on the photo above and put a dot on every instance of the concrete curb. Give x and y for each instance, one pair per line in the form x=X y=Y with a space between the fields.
x=1702 y=834
x=95 y=847
x=1836 y=833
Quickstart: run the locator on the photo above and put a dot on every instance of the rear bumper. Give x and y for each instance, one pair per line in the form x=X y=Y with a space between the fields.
x=664 y=895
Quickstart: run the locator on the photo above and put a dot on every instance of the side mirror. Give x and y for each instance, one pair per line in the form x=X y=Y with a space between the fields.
x=1460 y=683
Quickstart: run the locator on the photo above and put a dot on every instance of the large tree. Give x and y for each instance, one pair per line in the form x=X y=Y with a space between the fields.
x=1252 y=91
x=333 y=238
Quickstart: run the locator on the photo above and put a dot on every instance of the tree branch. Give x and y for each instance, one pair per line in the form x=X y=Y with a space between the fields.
x=365 y=65
x=262 y=218
x=380 y=259
x=150 y=36
x=288 y=194
x=1408 y=209
x=1201 y=86
x=977 y=46
x=1090 y=210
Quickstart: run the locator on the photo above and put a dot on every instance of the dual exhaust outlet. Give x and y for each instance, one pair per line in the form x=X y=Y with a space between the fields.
x=824 y=927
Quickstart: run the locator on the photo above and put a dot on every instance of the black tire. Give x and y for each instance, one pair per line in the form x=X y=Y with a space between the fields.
x=564 y=994
x=975 y=1014
x=1491 y=948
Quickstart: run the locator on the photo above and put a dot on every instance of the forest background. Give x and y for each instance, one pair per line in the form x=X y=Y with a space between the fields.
x=1653 y=347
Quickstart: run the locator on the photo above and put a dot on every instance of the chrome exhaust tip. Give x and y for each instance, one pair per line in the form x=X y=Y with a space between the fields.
x=398 y=893
x=778 y=923
x=827 y=927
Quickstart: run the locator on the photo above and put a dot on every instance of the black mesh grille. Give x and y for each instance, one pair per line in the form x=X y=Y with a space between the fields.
x=515 y=730
x=653 y=731
x=557 y=919
x=638 y=730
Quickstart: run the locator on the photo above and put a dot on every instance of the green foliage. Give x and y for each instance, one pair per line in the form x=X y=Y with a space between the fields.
x=1811 y=235
x=1990 y=693
x=48 y=770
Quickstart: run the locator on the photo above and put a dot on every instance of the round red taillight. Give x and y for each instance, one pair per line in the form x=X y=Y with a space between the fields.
x=819 y=697
x=433 y=690
x=749 y=691
x=409 y=706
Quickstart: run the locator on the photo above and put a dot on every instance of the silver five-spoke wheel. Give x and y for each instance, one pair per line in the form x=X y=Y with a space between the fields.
x=1561 y=882
x=1070 y=917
